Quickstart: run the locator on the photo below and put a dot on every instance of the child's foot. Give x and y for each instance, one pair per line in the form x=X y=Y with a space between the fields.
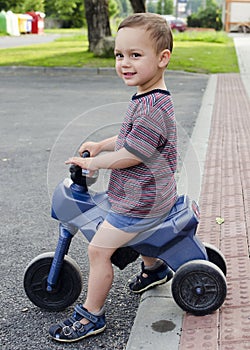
x=151 y=278
x=71 y=329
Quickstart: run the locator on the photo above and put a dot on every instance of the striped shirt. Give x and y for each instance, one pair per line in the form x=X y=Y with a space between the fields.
x=149 y=132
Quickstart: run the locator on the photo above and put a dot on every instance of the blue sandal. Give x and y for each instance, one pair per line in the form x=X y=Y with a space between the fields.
x=71 y=329
x=154 y=278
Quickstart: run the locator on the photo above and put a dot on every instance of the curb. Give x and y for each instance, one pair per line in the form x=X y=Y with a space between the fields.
x=57 y=70
x=108 y=71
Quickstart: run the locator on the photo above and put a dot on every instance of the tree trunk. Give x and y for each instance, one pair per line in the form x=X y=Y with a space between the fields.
x=138 y=5
x=97 y=16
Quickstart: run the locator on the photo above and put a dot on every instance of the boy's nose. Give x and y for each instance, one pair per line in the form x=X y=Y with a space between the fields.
x=126 y=62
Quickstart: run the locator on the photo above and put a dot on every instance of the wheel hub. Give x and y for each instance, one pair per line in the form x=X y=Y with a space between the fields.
x=199 y=290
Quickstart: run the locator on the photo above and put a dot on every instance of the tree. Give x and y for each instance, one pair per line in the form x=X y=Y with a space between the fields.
x=210 y=17
x=193 y=6
x=151 y=7
x=165 y=7
x=138 y=5
x=97 y=16
x=32 y=5
x=169 y=9
x=9 y=4
x=99 y=33
x=69 y=12
x=22 y=6
x=125 y=7
x=113 y=8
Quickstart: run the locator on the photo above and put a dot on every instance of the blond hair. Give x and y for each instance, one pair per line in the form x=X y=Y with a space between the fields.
x=156 y=25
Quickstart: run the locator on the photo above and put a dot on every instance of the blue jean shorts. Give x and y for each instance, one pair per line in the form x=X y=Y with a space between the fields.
x=131 y=224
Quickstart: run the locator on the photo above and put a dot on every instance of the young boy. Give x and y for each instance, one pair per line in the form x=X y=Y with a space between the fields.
x=142 y=187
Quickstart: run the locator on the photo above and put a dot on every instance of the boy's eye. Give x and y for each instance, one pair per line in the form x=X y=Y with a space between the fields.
x=118 y=55
x=136 y=54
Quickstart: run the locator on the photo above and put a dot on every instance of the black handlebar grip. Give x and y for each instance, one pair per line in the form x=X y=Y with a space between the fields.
x=85 y=154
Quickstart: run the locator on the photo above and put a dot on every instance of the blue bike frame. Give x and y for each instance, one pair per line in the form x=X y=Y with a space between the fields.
x=173 y=240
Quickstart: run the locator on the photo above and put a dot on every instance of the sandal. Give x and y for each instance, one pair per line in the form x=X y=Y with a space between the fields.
x=71 y=329
x=154 y=278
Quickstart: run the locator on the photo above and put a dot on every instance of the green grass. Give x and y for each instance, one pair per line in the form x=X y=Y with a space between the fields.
x=204 y=36
x=200 y=57
x=71 y=31
x=67 y=51
x=201 y=52
x=204 y=52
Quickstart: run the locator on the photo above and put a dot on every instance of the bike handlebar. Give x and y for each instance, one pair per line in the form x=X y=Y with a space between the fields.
x=80 y=176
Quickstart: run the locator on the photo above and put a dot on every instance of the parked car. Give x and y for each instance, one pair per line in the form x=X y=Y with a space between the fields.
x=175 y=23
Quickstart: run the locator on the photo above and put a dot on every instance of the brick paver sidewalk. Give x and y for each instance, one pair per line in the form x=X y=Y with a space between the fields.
x=226 y=194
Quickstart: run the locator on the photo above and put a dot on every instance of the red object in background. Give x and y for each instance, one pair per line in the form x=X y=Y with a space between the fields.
x=37 y=22
x=178 y=25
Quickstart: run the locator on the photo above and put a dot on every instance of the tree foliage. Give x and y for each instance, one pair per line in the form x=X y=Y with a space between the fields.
x=73 y=13
x=210 y=17
x=124 y=7
x=113 y=6
x=165 y=7
x=22 y=6
x=193 y=6
x=70 y=12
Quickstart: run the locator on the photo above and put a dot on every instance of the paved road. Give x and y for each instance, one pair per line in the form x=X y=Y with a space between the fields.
x=43 y=118
x=27 y=39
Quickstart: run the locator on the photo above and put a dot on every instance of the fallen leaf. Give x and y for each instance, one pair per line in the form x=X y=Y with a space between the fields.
x=219 y=220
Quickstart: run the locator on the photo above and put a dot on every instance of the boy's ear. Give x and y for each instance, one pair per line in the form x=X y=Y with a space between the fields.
x=164 y=58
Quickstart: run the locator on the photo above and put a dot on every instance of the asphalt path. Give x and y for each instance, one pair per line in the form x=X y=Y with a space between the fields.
x=26 y=39
x=43 y=119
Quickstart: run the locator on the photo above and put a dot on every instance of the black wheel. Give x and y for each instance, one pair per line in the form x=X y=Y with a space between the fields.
x=66 y=291
x=199 y=287
x=216 y=257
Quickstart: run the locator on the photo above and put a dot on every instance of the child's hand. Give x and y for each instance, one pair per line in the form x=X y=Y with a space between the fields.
x=92 y=147
x=84 y=163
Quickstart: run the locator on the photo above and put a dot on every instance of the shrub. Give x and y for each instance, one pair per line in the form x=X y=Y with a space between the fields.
x=206 y=18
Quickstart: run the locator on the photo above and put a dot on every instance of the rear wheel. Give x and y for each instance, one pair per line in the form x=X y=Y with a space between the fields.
x=67 y=289
x=199 y=287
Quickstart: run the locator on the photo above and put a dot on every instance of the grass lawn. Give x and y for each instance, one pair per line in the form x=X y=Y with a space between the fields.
x=204 y=52
x=201 y=52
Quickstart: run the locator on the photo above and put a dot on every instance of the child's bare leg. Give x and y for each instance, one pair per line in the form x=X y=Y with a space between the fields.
x=104 y=243
x=149 y=261
x=90 y=319
x=100 y=277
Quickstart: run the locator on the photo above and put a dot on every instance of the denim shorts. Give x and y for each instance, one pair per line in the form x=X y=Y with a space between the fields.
x=131 y=224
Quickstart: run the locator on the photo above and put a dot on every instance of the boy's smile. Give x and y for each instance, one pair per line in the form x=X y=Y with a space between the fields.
x=128 y=75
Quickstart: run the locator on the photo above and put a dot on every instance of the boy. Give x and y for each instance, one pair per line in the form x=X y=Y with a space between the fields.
x=142 y=187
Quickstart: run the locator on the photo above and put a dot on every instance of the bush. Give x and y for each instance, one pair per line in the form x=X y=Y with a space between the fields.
x=207 y=18
x=194 y=20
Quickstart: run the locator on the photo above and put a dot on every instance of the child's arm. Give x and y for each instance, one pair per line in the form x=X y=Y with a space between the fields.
x=95 y=148
x=112 y=160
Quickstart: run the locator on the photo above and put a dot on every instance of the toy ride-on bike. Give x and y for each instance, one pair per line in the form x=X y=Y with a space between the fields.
x=53 y=280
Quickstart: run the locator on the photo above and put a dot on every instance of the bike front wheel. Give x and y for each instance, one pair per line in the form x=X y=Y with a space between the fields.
x=64 y=293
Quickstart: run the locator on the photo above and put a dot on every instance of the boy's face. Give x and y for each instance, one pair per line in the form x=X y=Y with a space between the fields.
x=136 y=60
